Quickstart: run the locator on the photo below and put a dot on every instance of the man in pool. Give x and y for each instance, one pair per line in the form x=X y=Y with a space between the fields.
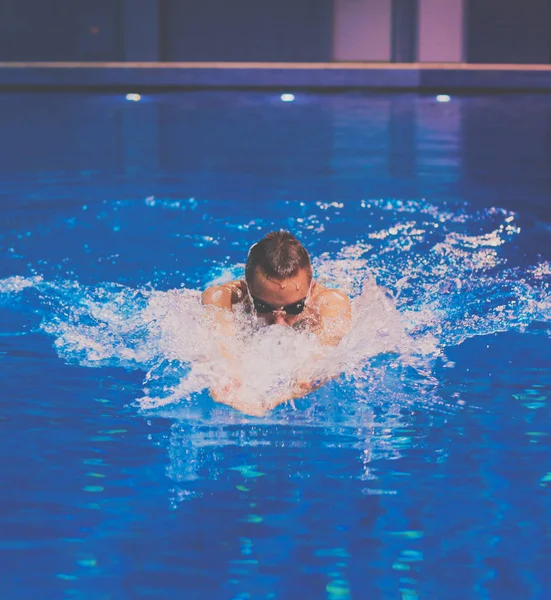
x=279 y=290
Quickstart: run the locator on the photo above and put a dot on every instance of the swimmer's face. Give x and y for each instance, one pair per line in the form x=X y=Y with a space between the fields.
x=276 y=294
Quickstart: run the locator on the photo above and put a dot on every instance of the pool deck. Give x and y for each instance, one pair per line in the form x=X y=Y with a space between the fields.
x=405 y=76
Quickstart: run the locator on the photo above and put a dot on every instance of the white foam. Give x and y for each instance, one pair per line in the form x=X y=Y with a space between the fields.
x=14 y=285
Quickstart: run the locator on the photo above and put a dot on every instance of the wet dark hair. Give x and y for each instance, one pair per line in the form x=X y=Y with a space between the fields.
x=279 y=255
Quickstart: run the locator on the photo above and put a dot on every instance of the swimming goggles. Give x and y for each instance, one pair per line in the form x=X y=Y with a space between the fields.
x=263 y=308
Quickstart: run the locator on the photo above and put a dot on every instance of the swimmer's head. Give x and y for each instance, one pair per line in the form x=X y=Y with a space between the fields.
x=279 y=277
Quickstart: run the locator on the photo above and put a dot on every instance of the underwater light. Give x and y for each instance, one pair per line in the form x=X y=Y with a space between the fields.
x=287 y=97
x=443 y=98
x=133 y=97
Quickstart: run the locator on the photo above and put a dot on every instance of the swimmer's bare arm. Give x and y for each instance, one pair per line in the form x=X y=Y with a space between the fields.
x=219 y=301
x=335 y=316
x=224 y=295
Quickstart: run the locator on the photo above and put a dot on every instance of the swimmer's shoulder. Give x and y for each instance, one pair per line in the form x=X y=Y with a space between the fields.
x=224 y=295
x=331 y=302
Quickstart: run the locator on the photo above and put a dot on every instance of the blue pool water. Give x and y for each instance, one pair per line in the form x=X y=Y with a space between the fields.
x=423 y=471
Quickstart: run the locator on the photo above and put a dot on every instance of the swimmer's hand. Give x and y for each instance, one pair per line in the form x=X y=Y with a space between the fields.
x=298 y=390
x=229 y=394
x=303 y=388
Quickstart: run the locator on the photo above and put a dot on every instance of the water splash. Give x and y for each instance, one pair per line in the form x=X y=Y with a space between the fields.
x=425 y=279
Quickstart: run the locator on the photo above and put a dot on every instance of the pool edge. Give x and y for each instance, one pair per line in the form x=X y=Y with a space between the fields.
x=410 y=76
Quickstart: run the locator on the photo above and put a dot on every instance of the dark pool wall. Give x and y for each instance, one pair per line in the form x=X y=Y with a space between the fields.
x=488 y=31
x=61 y=30
x=174 y=30
x=247 y=30
x=508 y=31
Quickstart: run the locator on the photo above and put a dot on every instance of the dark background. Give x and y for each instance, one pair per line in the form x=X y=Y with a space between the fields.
x=496 y=31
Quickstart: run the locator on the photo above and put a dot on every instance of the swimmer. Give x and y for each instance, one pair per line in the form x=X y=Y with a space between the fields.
x=279 y=289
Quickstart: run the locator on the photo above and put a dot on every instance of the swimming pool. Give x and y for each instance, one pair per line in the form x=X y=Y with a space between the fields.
x=422 y=472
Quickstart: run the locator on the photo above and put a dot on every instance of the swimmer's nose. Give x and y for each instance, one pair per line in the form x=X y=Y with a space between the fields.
x=279 y=318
